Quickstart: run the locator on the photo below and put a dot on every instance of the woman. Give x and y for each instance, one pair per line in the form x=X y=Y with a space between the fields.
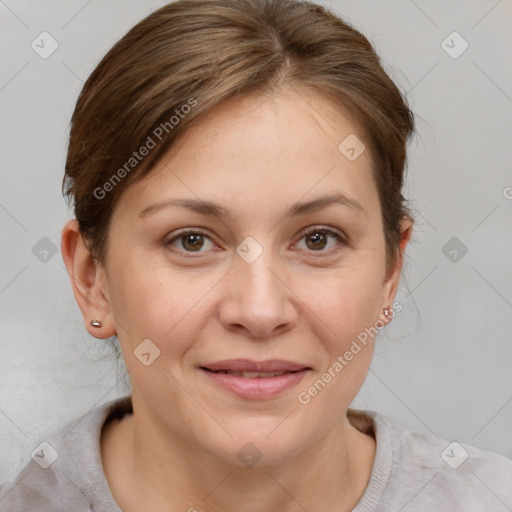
x=236 y=171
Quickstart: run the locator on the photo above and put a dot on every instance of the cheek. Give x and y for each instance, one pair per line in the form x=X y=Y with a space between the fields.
x=347 y=308
x=346 y=301
x=153 y=301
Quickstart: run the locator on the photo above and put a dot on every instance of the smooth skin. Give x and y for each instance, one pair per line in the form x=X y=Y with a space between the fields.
x=305 y=298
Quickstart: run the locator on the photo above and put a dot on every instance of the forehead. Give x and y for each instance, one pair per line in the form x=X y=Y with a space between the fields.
x=263 y=150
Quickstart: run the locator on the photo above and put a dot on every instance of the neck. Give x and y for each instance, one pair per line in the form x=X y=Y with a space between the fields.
x=149 y=469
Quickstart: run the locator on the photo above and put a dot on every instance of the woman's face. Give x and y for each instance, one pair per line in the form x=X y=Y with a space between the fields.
x=257 y=278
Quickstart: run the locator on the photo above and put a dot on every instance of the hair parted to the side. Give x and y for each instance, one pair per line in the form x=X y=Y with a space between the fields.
x=201 y=53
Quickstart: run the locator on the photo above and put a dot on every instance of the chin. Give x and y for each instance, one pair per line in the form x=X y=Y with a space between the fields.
x=268 y=444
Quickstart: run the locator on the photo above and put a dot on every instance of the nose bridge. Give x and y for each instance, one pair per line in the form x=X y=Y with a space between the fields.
x=260 y=301
x=256 y=268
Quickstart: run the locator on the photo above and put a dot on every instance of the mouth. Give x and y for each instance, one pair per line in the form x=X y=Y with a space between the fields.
x=254 y=366
x=255 y=380
x=251 y=375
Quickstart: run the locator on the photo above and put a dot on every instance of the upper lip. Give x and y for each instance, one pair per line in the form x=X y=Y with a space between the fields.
x=249 y=365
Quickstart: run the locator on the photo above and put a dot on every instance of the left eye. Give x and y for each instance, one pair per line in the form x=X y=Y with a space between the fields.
x=317 y=239
x=193 y=240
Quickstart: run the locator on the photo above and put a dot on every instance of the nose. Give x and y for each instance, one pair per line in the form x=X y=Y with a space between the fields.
x=258 y=298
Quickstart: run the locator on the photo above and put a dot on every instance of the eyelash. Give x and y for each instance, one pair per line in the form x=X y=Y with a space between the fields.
x=308 y=231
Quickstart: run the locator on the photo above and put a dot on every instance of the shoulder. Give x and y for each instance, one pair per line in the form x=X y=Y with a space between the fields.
x=65 y=470
x=427 y=472
x=31 y=489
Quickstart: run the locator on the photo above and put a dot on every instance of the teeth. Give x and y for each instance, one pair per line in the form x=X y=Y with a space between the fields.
x=253 y=375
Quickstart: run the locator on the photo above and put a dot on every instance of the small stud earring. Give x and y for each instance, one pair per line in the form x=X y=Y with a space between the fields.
x=387 y=312
x=96 y=323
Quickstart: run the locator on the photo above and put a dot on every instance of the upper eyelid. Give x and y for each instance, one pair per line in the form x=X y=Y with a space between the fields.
x=320 y=227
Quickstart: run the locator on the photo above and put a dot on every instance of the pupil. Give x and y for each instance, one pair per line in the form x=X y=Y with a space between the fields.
x=195 y=239
x=316 y=237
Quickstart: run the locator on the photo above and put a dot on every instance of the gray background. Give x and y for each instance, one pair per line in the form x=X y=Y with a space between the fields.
x=442 y=366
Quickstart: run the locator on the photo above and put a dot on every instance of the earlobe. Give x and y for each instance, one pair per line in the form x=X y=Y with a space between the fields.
x=88 y=281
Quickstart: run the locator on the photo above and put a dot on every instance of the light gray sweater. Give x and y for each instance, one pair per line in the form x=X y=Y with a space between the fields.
x=412 y=472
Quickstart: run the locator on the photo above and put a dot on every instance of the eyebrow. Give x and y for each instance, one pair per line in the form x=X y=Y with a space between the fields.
x=209 y=208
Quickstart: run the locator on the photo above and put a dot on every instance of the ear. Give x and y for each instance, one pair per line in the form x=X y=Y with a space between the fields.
x=88 y=279
x=392 y=280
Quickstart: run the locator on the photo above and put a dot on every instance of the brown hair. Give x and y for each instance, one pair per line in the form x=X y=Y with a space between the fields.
x=186 y=58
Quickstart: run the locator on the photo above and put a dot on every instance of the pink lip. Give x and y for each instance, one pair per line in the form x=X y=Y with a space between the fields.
x=257 y=388
x=249 y=365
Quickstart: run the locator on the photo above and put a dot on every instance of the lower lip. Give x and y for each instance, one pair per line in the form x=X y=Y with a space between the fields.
x=256 y=388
